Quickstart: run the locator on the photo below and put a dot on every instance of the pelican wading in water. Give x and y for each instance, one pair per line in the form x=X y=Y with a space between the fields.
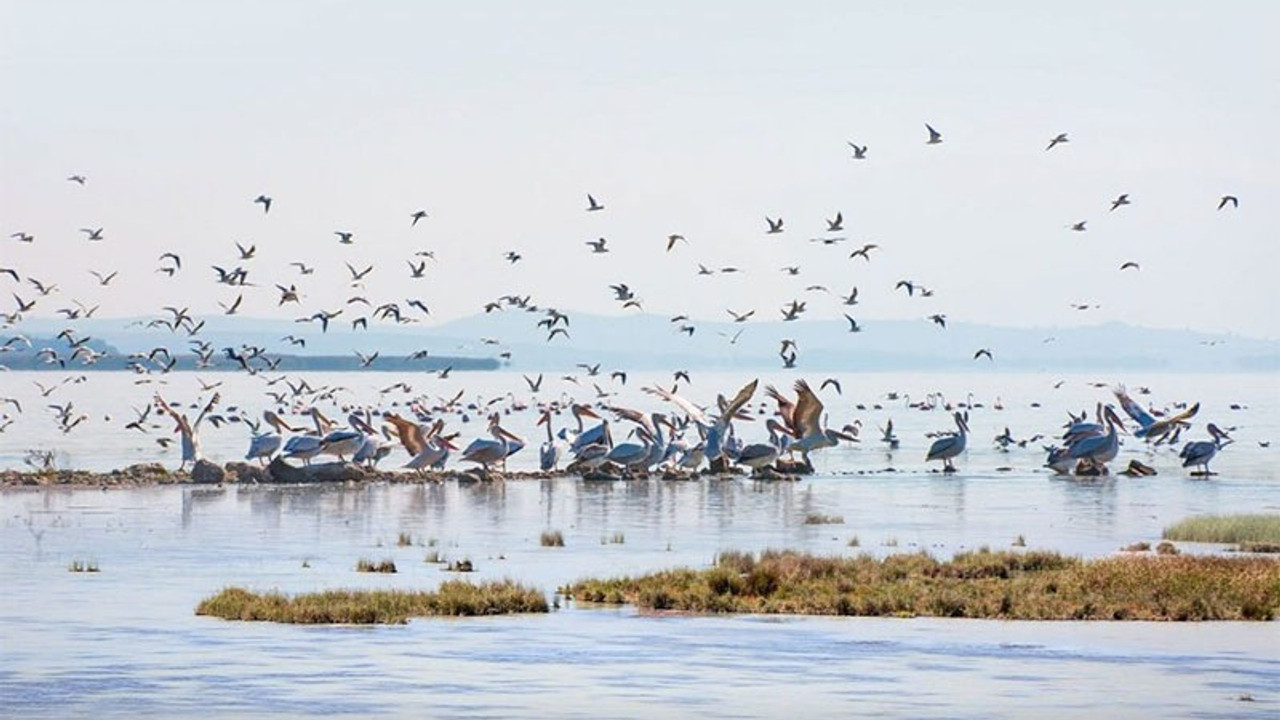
x=1097 y=449
x=1200 y=452
x=946 y=448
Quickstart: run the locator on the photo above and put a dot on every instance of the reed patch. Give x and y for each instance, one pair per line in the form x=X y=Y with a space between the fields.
x=981 y=584
x=1239 y=529
x=455 y=598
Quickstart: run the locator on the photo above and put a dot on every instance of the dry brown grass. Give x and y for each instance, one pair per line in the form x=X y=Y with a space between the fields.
x=362 y=607
x=369 y=566
x=981 y=584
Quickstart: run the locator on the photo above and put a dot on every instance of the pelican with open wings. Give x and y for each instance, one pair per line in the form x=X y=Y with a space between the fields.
x=715 y=429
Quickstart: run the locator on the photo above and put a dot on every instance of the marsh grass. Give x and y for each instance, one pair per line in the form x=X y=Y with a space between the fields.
x=1167 y=548
x=463 y=565
x=617 y=538
x=433 y=557
x=1139 y=546
x=820 y=519
x=854 y=542
x=1020 y=541
x=404 y=539
x=362 y=607
x=981 y=584
x=1226 y=529
x=369 y=566
x=1258 y=547
x=552 y=538
x=83 y=566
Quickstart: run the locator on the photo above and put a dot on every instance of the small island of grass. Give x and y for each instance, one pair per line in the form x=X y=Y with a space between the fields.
x=455 y=598
x=981 y=584
x=1252 y=533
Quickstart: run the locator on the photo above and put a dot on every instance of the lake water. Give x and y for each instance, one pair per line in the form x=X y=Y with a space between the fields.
x=125 y=641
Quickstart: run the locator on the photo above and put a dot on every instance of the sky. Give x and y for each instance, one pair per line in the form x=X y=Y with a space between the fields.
x=703 y=119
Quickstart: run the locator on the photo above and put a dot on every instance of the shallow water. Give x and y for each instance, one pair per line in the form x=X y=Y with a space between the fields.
x=125 y=641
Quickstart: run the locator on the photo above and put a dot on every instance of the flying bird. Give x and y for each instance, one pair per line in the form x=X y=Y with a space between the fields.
x=859 y=152
x=1235 y=201
x=853 y=324
x=673 y=239
x=79 y=179
x=266 y=203
x=1061 y=138
x=597 y=246
x=344 y=237
x=1130 y=264
x=935 y=137
x=940 y=320
x=836 y=224
x=1079 y=227
x=592 y=205
x=775 y=226
x=983 y=351
x=417 y=216
x=93 y=234
x=1122 y=200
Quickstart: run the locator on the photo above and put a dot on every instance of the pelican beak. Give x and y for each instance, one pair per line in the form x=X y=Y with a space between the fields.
x=584 y=410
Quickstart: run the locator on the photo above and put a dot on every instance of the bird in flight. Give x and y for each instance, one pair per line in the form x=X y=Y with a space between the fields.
x=935 y=137
x=853 y=324
x=775 y=226
x=23 y=237
x=104 y=279
x=836 y=224
x=92 y=233
x=862 y=251
x=344 y=237
x=859 y=152
x=79 y=179
x=1235 y=201
x=266 y=203
x=741 y=317
x=673 y=239
x=1079 y=227
x=852 y=297
x=983 y=351
x=592 y=205
x=1130 y=264
x=597 y=246
x=940 y=320
x=1060 y=138
x=1122 y=200
x=417 y=216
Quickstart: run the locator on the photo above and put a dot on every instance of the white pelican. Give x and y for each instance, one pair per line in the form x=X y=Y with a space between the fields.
x=1199 y=453
x=946 y=448
x=552 y=450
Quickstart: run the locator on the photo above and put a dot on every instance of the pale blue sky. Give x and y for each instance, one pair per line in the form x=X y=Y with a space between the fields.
x=498 y=118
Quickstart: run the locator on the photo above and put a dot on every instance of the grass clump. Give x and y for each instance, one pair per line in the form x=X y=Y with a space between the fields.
x=83 y=566
x=1226 y=529
x=1011 y=585
x=364 y=607
x=463 y=565
x=369 y=566
x=1258 y=547
x=820 y=519
x=404 y=539
x=1139 y=546
x=552 y=538
x=1167 y=548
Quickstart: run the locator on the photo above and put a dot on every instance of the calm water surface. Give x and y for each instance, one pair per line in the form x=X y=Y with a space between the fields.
x=125 y=641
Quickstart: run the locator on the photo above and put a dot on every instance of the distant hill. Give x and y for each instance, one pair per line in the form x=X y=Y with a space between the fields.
x=647 y=342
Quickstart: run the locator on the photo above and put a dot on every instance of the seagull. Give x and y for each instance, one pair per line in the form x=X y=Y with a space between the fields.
x=302 y=267
x=1130 y=264
x=344 y=237
x=935 y=137
x=1061 y=138
x=246 y=253
x=358 y=275
x=77 y=179
x=1122 y=200
x=741 y=317
x=417 y=216
x=102 y=279
x=837 y=224
x=673 y=239
x=23 y=237
x=513 y=257
x=94 y=234
x=775 y=226
x=1079 y=227
x=940 y=320
x=859 y=153
x=177 y=261
x=833 y=383
x=592 y=205
x=266 y=203
x=983 y=351
x=597 y=246
x=863 y=251
x=233 y=307
x=852 y=297
x=853 y=324
x=1235 y=201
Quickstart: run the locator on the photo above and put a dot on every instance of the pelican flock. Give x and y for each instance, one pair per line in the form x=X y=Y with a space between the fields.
x=683 y=431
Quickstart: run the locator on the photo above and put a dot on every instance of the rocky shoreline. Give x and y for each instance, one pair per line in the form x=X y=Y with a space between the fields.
x=279 y=472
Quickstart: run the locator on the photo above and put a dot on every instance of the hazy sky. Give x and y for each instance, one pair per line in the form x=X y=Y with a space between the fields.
x=691 y=118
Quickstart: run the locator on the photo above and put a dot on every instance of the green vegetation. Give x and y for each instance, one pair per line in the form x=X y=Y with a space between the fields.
x=820 y=519
x=386 y=566
x=90 y=566
x=982 y=584
x=552 y=538
x=1226 y=529
x=362 y=607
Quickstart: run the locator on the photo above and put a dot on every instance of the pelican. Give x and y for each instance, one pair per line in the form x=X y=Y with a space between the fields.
x=946 y=448
x=488 y=452
x=1199 y=453
x=714 y=431
x=1060 y=460
x=263 y=444
x=552 y=450
x=1099 y=449
x=190 y=430
x=303 y=447
x=1149 y=427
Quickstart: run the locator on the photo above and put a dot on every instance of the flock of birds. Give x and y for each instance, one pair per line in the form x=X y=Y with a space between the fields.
x=690 y=437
